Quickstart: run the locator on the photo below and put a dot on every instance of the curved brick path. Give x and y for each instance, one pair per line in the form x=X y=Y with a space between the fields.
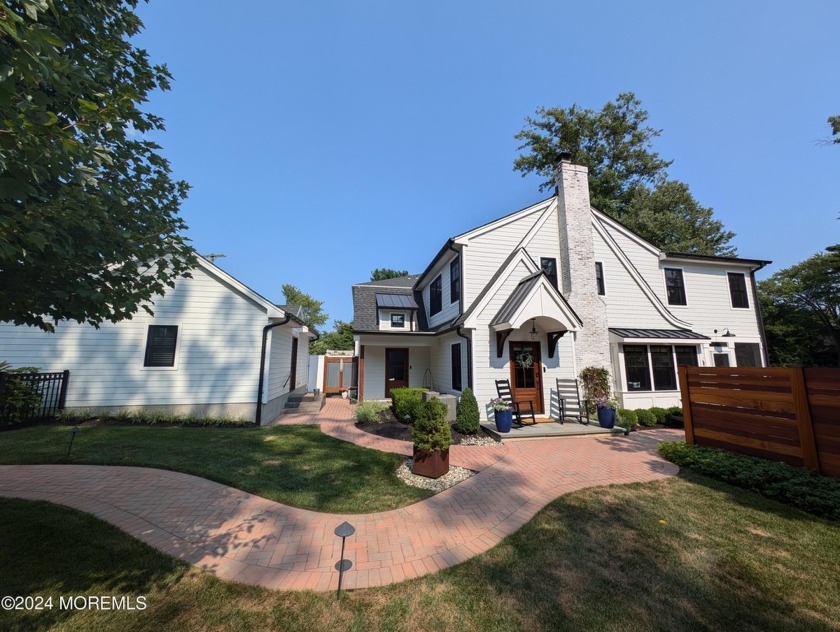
x=245 y=538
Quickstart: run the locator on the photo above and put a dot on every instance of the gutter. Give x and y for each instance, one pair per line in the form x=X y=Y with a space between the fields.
x=258 y=415
x=469 y=355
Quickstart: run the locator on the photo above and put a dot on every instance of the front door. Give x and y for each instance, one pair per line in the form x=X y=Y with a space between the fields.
x=396 y=369
x=526 y=374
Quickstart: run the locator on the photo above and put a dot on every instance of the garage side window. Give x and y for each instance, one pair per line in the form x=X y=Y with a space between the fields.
x=161 y=342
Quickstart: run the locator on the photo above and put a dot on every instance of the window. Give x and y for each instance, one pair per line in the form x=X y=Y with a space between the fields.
x=738 y=290
x=599 y=277
x=160 y=346
x=747 y=354
x=686 y=356
x=456 y=366
x=662 y=361
x=435 y=296
x=549 y=266
x=636 y=367
x=675 y=286
x=397 y=320
x=455 y=280
x=721 y=359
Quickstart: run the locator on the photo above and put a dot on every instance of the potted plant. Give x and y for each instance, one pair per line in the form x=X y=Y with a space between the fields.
x=596 y=391
x=503 y=413
x=432 y=437
x=606 y=411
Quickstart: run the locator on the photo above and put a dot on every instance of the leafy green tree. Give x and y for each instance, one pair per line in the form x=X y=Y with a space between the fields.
x=625 y=173
x=801 y=309
x=339 y=340
x=89 y=224
x=467 y=419
x=380 y=274
x=834 y=122
x=311 y=312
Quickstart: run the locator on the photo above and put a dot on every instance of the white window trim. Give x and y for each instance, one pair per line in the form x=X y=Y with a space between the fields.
x=391 y=320
x=178 y=338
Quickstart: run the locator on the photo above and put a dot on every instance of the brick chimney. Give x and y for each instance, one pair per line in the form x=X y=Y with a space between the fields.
x=577 y=264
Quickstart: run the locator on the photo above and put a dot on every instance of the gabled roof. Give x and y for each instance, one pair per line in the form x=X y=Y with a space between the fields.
x=552 y=304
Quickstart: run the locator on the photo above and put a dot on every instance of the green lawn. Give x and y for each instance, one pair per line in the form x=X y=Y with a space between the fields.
x=599 y=559
x=295 y=465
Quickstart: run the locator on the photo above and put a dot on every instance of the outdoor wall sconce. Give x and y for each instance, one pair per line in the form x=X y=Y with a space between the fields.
x=534 y=333
x=726 y=333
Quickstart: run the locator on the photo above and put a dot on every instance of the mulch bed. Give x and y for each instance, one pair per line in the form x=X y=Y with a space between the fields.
x=390 y=428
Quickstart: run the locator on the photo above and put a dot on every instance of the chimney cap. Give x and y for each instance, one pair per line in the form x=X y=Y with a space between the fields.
x=565 y=156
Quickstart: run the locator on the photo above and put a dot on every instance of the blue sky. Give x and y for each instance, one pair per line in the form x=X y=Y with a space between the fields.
x=324 y=139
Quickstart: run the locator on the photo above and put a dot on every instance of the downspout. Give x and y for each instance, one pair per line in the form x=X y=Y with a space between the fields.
x=469 y=356
x=258 y=416
x=764 y=351
x=459 y=329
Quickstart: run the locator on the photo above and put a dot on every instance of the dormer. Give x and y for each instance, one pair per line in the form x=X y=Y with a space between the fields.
x=396 y=312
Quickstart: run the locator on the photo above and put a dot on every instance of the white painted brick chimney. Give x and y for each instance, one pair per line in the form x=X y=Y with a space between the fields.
x=577 y=264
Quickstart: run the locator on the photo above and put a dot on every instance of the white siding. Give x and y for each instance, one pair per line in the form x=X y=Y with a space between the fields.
x=410 y=320
x=440 y=362
x=279 y=365
x=219 y=333
x=418 y=362
x=449 y=309
x=545 y=242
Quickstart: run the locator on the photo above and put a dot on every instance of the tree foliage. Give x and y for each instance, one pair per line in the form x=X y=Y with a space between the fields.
x=834 y=122
x=89 y=224
x=467 y=419
x=311 y=312
x=625 y=173
x=801 y=309
x=380 y=274
x=341 y=339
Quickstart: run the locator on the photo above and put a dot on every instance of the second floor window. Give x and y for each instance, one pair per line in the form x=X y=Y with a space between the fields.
x=435 y=296
x=675 y=286
x=397 y=320
x=455 y=281
x=738 y=289
x=549 y=266
x=599 y=277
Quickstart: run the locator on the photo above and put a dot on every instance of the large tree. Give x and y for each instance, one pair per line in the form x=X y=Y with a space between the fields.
x=627 y=178
x=380 y=274
x=801 y=308
x=311 y=311
x=89 y=224
x=339 y=340
x=834 y=122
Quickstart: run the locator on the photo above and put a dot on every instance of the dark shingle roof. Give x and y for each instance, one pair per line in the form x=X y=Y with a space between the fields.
x=665 y=334
x=365 y=299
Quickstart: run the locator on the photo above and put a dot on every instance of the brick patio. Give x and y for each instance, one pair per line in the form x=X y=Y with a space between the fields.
x=245 y=538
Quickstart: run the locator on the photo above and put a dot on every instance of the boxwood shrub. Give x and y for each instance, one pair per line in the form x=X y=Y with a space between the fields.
x=406 y=403
x=675 y=416
x=660 y=413
x=818 y=495
x=467 y=419
x=646 y=418
x=627 y=419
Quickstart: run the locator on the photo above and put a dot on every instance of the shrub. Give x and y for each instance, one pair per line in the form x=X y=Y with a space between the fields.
x=818 y=495
x=627 y=419
x=660 y=413
x=467 y=418
x=646 y=418
x=406 y=403
x=431 y=432
x=596 y=383
x=675 y=416
x=18 y=397
x=369 y=411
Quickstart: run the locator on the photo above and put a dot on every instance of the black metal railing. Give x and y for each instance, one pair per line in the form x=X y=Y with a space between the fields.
x=31 y=397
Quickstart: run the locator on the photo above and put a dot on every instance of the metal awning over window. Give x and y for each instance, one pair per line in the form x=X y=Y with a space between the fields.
x=621 y=334
x=395 y=301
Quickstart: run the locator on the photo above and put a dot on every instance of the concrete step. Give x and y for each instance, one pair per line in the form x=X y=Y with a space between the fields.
x=304 y=404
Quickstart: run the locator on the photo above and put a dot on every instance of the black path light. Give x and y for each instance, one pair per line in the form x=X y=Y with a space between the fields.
x=343 y=531
x=73 y=432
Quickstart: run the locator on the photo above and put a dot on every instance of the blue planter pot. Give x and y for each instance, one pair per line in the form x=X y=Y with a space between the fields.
x=606 y=417
x=504 y=420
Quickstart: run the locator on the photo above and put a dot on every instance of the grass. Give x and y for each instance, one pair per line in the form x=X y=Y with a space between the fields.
x=688 y=553
x=295 y=465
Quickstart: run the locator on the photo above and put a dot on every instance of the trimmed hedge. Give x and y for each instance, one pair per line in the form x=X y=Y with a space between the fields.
x=675 y=417
x=467 y=419
x=646 y=418
x=818 y=495
x=627 y=419
x=660 y=413
x=406 y=403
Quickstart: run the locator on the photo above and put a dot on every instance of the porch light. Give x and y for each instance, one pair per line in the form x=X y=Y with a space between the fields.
x=534 y=333
x=726 y=333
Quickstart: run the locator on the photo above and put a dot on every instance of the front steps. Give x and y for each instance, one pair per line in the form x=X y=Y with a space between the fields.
x=304 y=404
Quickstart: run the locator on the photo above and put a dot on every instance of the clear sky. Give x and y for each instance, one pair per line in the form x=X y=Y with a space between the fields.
x=324 y=139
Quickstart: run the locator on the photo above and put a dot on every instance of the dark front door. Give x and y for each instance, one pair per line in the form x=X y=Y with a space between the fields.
x=293 y=374
x=396 y=369
x=526 y=374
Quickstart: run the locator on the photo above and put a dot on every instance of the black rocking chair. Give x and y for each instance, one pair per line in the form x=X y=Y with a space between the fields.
x=519 y=411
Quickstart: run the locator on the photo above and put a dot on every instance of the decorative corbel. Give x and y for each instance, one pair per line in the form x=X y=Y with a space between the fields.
x=553 y=337
x=501 y=336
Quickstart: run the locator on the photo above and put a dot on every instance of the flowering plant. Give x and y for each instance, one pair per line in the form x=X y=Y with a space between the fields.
x=605 y=402
x=499 y=404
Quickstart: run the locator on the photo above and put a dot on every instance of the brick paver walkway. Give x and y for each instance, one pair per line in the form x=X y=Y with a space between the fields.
x=245 y=538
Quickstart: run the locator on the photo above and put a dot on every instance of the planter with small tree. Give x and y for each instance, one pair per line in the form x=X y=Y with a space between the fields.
x=432 y=437
x=596 y=391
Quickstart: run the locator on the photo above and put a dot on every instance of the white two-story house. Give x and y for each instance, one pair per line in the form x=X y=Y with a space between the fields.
x=541 y=293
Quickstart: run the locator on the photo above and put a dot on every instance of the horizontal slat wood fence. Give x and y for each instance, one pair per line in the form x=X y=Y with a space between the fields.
x=789 y=414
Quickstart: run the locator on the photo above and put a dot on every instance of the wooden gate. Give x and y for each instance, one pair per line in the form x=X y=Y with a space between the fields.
x=340 y=374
